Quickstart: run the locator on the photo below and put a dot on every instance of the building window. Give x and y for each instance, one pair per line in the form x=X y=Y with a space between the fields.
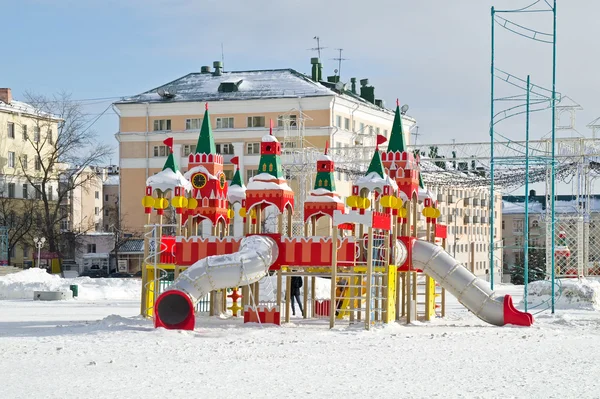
x=38 y=163
x=253 y=148
x=347 y=123
x=50 y=193
x=97 y=194
x=518 y=226
x=361 y=127
x=224 y=123
x=91 y=248
x=293 y=119
x=377 y=130
x=64 y=225
x=11 y=190
x=36 y=134
x=503 y=224
x=96 y=211
x=38 y=191
x=11 y=130
x=385 y=132
x=228 y=174
x=188 y=149
x=106 y=212
x=338 y=121
x=161 y=151
x=251 y=173
x=225 y=149
x=256 y=121
x=193 y=124
x=25 y=194
x=50 y=137
x=24 y=161
x=535 y=224
x=26 y=251
x=24 y=133
x=162 y=124
x=11 y=159
x=105 y=197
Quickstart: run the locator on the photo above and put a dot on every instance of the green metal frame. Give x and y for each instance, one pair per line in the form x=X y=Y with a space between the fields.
x=540 y=99
x=3 y=246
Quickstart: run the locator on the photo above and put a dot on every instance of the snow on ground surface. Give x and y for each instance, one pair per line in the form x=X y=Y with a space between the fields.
x=574 y=293
x=100 y=348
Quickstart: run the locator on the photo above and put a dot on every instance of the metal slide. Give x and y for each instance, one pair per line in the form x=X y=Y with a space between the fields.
x=174 y=308
x=474 y=293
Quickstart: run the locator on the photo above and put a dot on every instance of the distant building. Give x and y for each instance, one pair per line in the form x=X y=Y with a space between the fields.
x=27 y=138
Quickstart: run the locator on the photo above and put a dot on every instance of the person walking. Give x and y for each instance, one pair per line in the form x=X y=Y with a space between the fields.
x=295 y=285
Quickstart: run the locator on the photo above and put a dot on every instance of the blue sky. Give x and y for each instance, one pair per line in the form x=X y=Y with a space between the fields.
x=433 y=57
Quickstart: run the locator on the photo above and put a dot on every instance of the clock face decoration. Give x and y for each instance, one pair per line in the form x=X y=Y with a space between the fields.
x=222 y=181
x=199 y=180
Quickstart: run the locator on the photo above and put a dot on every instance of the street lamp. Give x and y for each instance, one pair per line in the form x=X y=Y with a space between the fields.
x=39 y=243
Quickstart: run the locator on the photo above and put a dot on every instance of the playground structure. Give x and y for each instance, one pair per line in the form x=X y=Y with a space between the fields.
x=370 y=251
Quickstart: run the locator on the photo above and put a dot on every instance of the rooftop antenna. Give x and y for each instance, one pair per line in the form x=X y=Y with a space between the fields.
x=318 y=48
x=222 y=56
x=339 y=60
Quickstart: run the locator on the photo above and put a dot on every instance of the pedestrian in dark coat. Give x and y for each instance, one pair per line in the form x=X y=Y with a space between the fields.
x=295 y=285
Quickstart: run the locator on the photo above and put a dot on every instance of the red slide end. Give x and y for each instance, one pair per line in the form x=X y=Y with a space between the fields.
x=514 y=316
x=174 y=310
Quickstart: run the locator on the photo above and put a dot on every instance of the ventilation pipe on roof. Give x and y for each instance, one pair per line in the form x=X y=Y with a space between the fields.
x=367 y=92
x=205 y=69
x=315 y=69
x=320 y=69
x=218 y=65
x=353 y=82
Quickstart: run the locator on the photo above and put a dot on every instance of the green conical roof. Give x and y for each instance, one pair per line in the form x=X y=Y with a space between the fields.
x=206 y=142
x=376 y=165
x=237 y=179
x=397 y=136
x=170 y=163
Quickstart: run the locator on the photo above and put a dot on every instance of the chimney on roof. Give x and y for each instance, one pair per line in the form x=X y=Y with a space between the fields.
x=367 y=92
x=5 y=95
x=315 y=68
x=205 y=69
x=218 y=65
x=353 y=81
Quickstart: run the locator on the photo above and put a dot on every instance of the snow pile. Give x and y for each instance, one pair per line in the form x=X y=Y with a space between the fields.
x=168 y=180
x=570 y=293
x=22 y=285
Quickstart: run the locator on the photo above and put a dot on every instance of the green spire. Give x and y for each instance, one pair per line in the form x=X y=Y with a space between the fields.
x=237 y=179
x=325 y=180
x=170 y=163
x=271 y=164
x=376 y=165
x=397 y=136
x=206 y=142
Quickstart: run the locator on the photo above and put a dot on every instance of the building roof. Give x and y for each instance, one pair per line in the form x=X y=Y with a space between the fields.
x=20 y=107
x=111 y=180
x=537 y=204
x=132 y=245
x=243 y=85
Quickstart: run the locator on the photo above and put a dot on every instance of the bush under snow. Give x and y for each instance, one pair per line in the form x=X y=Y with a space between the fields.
x=570 y=293
x=21 y=285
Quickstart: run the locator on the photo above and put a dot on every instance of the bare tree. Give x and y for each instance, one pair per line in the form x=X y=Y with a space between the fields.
x=62 y=160
x=18 y=215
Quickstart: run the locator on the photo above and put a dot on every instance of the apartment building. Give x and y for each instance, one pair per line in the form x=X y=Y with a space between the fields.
x=27 y=137
x=309 y=109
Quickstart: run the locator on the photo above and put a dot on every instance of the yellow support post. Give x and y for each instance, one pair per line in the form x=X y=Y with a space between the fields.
x=390 y=302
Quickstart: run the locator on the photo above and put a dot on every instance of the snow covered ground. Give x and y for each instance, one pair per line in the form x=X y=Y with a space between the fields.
x=97 y=347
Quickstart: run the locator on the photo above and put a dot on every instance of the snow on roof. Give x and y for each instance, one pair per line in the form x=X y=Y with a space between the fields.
x=199 y=168
x=425 y=194
x=236 y=194
x=24 y=108
x=323 y=195
x=324 y=157
x=267 y=138
x=373 y=181
x=265 y=181
x=168 y=180
x=254 y=84
x=112 y=180
x=570 y=206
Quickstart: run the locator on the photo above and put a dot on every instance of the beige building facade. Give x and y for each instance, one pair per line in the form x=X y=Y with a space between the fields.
x=312 y=112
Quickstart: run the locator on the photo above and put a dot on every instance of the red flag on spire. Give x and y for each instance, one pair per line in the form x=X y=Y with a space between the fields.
x=380 y=140
x=271 y=127
x=235 y=161
x=326 y=147
x=206 y=106
x=169 y=143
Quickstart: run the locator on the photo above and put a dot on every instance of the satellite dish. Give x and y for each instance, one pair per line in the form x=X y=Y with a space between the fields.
x=335 y=71
x=340 y=86
x=404 y=109
x=161 y=92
